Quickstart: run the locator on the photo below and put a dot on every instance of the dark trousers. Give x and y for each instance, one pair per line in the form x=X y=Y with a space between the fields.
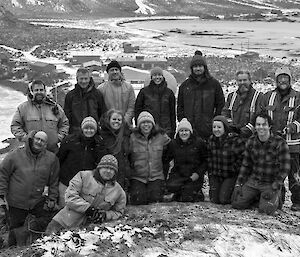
x=184 y=188
x=220 y=189
x=144 y=193
x=294 y=179
x=17 y=217
x=251 y=190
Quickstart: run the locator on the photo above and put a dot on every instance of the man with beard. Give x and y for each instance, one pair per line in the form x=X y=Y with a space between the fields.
x=24 y=174
x=83 y=101
x=282 y=105
x=118 y=94
x=242 y=104
x=200 y=98
x=40 y=113
x=265 y=165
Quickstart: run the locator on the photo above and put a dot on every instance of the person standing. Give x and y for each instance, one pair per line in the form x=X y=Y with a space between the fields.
x=189 y=155
x=118 y=94
x=40 y=113
x=282 y=105
x=24 y=174
x=83 y=101
x=147 y=143
x=159 y=100
x=265 y=165
x=200 y=98
x=242 y=104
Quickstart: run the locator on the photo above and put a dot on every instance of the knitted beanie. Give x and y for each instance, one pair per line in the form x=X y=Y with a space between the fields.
x=223 y=120
x=89 y=122
x=283 y=70
x=184 y=124
x=198 y=60
x=145 y=116
x=113 y=64
x=156 y=70
x=108 y=161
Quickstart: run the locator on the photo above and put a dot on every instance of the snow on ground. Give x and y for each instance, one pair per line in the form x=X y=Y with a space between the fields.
x=259 y=5
x=143 y=8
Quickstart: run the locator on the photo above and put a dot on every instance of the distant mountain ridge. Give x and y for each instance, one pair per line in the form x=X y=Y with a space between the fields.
x=111 y=8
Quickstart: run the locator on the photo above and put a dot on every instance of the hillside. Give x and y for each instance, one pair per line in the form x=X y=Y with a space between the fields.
x=112 y=8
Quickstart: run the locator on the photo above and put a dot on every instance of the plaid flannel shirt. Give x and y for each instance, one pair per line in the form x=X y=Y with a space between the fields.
x=265 y=161
x=225 y=156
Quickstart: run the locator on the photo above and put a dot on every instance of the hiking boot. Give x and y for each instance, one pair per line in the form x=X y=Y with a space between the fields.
x=295 y=207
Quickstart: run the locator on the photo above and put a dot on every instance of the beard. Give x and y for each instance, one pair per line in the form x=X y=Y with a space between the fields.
x=38 y=98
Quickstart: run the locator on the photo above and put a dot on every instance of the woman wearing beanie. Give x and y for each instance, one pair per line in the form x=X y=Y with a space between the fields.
x=159 y=100
x=225 y=153
x=147 y=143
x=93 y=196
x=115 y=133
x=79 y=151
x=189 y=155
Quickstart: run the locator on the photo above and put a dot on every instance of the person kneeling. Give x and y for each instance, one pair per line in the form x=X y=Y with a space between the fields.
x=93 y=196
x=265 y=165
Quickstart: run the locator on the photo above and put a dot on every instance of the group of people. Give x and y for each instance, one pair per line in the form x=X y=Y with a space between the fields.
x=84 y=163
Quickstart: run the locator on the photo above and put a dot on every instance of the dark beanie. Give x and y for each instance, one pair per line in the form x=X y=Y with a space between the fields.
x=223 y=120
x=198 y=59
x=113 y=64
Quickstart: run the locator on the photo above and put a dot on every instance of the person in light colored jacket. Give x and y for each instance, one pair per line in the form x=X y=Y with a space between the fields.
x=118 y=94
x=40 y=113
x=93 y=196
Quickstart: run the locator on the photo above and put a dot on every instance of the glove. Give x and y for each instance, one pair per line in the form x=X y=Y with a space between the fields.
x=194 y=177
x=289 y=129
x=50 y=205
x=269 y=194
x=237 y=192
x=95 y=215
x=245 y=132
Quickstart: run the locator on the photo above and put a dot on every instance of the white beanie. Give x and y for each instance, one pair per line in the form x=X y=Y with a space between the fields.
x=145 y=116
x=184 y=124
x=89 y=121
x=283 y=70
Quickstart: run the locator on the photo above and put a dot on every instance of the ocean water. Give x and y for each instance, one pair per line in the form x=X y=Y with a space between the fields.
x=9 y=100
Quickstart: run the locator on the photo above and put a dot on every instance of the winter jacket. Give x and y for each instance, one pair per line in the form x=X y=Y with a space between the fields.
x=78 y=152
x=199 y=102
x=81 y=103
x=266 y=162
x=225 y=155
x=241 y=111
x=189 y=157
x=23 y=176
x=284 y=112
x=85 y=191
x=47 y=116
x=146 y=155
x=120 y=98
x=159 y=100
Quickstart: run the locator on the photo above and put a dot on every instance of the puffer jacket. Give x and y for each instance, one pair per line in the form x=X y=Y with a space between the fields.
x=32 y=116
x=146 y=155
x=284 y=112
x=85 y=191
x=80 y=104
x=189 y=157
x=120 y=98
x=78 y=152
x=200 y=102
x=241 y=111
x=160 y=101
x=23 y=176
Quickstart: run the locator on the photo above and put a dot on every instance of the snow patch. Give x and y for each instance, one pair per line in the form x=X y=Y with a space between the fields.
x=15 y=3
x=256 y=4
x=143 y=8
x=34 y=2
x=59 y=8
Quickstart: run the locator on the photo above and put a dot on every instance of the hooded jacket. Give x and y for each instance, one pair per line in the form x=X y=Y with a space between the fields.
x=120 y=98
x=81 y=103
x=285 y=112
x=85 y=191
x=199 y=100
x=23 y=176
x=47 y=116
x=160 y=101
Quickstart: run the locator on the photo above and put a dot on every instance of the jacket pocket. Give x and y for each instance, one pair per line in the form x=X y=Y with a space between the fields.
x=51 y=121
